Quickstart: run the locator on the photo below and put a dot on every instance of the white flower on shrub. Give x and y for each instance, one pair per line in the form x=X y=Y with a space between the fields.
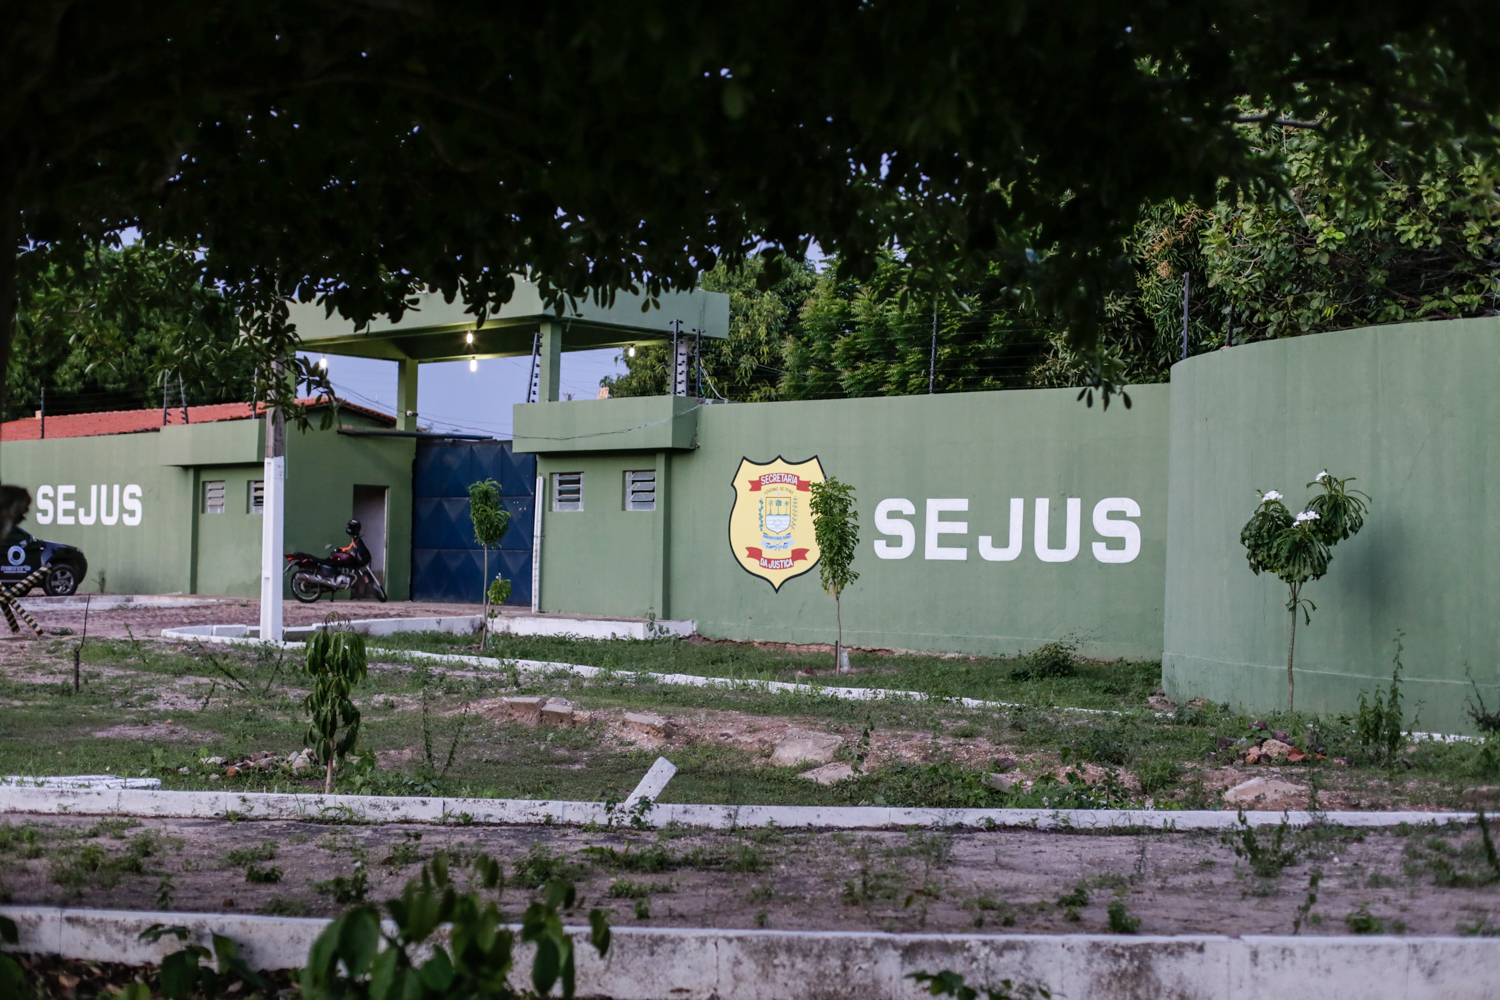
x=1270 y=495
x=1306 y=515
x=1320 y=476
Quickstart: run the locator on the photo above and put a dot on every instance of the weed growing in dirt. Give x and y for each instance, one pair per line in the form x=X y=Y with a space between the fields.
x=541 y=866
x=1265 y=859
x=648 y=860
x=344 y=889
x=1077 y=898
x=643 y=908
x=282 y=906
x=250 y=855
x=405 y=851
x=1362 y=921
x=268 y=875
x=870 y=887
x=1305 y=909
x=1479 y=928
x=986 y=907
x=1120 y=920
x=626 y=889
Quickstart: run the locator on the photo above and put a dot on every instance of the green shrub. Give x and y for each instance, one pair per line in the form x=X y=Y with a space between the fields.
x=1158 y=775
x=344 y=889
x=1362 y=921
x=268 y=875
x=1120 y=920
x=1053 y=659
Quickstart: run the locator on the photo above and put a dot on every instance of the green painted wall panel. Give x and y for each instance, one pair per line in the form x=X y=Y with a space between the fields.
x=218 y=443
x=227 y=544
x=322 y=469
x=609 y=557
x=176 y=547
x=981 y=447
x=1411 y=412
x=630 y=424
x=153 y=556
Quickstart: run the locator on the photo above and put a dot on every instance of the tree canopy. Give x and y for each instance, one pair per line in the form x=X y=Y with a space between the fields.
x=117 y=330
x=1311 y=260
x=358 y=150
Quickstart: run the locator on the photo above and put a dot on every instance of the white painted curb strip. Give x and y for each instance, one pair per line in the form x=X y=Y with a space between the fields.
x=287 y=806
x=699 y=964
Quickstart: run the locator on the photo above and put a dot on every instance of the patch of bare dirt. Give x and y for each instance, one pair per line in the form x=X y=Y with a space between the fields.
x=1000 y=881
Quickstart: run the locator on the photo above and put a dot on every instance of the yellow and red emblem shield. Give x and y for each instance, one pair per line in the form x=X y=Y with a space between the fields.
x=770 y=525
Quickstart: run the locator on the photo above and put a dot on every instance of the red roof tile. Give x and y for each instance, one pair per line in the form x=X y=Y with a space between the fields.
x=138 y=421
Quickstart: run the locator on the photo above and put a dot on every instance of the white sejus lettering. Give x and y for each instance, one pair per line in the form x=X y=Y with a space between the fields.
x=886 y=524
x=109 y=504
x=891 y=514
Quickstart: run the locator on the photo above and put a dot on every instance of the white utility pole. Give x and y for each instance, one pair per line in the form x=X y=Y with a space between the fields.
x=273 y=525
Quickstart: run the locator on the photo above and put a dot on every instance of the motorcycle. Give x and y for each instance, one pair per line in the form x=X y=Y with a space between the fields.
x=343 y=568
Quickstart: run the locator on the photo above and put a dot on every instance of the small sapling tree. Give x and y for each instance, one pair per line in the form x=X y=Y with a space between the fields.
x=836 y=527
x=1296 y=548
x=336 y=662
x=490 y=523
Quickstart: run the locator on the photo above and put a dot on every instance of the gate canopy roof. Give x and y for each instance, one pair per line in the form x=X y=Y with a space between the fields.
x=438 y=331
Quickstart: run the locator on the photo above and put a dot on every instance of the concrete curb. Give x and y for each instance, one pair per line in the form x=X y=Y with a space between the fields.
x=697 y=964
x=522 y=812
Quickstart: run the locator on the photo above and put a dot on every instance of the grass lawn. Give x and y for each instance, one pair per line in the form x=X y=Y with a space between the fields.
x=157 y=708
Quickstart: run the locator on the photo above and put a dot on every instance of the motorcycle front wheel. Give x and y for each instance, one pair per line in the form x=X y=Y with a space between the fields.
x=376 y=587
x=305 y=590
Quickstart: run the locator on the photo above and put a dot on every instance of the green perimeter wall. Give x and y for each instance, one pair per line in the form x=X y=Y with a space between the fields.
x=985 y=448
x=1412 y=412
x=176 y=547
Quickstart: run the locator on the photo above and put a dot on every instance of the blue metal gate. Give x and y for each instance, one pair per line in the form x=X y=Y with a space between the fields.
x=446 y=562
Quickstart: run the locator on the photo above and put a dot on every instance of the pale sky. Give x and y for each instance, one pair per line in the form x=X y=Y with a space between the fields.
x=452 y=398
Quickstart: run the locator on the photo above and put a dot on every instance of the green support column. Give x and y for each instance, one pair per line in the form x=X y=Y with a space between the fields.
x=406 y=395
x=550 y=388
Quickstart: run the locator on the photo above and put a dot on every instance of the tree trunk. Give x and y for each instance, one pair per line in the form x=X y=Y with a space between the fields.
x=328 y=784
x=1291 y=681
x=14 y=500
x=484 y=624
x=838 y=649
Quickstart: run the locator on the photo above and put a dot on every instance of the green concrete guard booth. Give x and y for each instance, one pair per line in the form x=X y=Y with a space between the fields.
x=435 y=330
x=185 y=518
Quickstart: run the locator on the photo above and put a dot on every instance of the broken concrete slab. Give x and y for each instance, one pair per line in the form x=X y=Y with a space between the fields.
x=828 y=774
x=558 y=712
x=798 y=746
x=1263 y=793
x=527 y=711
x=1001 y=782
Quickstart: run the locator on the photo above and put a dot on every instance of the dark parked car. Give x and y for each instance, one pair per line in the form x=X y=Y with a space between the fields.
x=25 y=552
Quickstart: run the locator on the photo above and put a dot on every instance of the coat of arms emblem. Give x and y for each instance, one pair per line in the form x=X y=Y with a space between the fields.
x=770 y=527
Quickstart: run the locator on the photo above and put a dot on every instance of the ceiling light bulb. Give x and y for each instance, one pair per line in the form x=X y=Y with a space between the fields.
x=469 y=339
x=473 y=364
x=631 y=350
x=323 y=362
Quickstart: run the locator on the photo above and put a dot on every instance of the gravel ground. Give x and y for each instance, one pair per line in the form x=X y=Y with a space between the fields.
x=1005 y=881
